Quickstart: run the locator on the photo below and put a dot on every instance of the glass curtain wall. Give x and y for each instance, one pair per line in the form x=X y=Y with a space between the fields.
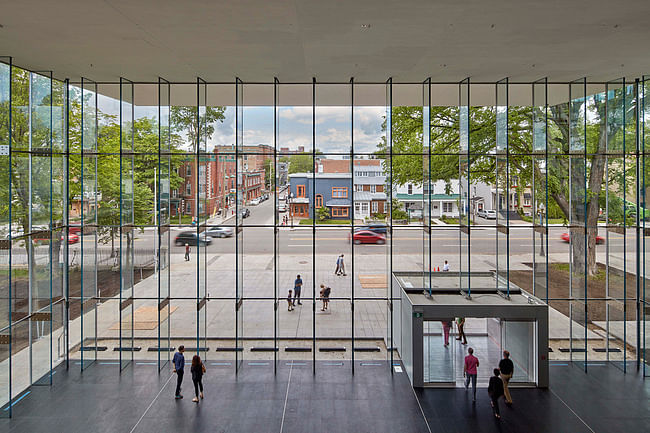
x=144 y=216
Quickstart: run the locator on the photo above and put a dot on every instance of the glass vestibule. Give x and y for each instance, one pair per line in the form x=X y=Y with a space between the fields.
x=488 y=337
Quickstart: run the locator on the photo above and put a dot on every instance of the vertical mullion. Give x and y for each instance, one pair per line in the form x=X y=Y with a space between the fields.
x=389 y=277
x=313 y=221
x=276 y=232
x=352 y=214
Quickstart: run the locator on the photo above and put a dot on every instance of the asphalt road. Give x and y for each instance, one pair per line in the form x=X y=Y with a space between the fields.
x=299 y=240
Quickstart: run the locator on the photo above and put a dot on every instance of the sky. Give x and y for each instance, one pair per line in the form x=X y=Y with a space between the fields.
x=333 y=126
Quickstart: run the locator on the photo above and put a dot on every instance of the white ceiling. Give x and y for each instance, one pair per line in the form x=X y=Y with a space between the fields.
x=295 y=40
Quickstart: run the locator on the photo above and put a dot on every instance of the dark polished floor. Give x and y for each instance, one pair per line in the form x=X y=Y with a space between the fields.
x=140 y=400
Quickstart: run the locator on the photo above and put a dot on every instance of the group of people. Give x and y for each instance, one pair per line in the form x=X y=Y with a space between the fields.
x=197 y=370
x=293 y=298
x=448 y=324
x=498 y=385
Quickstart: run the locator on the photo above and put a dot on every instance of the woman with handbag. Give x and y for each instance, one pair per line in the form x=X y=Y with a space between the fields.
x=197 y=369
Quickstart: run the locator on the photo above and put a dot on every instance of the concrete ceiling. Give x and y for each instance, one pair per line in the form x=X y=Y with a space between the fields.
x=331 y=40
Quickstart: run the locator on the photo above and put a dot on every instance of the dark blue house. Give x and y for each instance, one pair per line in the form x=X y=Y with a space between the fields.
x=332 y=190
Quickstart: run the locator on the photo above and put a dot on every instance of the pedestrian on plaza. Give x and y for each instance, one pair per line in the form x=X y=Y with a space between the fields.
x=325 y=296
x=297 y=288
x=179 y=369
x=445 y=267
x=197 y=369
x=495 y=390
x=342 y=266
x=446 y=327
x=469 y=370
x=290 y=301
x=460 y=322
x=187 y=252
x=507 y=368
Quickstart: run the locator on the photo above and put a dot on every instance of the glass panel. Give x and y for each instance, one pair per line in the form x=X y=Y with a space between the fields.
x=127 y=227
x=239 y=231
x=504 y=184
x=519 y=338
x=440 y=349
x=464 y=185
x=5 y=235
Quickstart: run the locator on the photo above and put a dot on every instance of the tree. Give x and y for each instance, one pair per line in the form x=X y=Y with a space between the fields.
x=300 y=163
x=184 y=120
x=576 y=176
x=322 y=213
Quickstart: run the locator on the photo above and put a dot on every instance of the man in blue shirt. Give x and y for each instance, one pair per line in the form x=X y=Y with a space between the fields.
x=297 y=286
x=179 y=369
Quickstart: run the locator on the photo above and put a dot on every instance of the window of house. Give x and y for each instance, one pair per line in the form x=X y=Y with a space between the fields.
x=188 y=207
x=188 y=170
x=300 y=191
x=319 y=201
x=339 y=192
x=364 y=207
x=188 y=189
x=373 y=188
x=410 y=189
x=447 y=207
x=339 y=211
x=375 y=207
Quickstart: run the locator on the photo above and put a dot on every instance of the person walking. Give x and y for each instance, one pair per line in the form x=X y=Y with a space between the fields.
x=325 y=296
x=470 y=370
x=445 y=267
x=290 y=301
x=187 y=252
x=460 y=322
x=507 y=368
x=179 y=369
x=446 y=327
x=297 y=288
x=197 y=369
x=495 y=390
x=340 y=265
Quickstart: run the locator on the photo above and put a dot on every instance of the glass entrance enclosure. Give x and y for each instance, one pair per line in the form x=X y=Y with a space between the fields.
x=139 y=216
x=438 y=328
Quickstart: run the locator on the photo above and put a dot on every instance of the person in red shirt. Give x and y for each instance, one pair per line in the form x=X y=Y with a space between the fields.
x=469 y=370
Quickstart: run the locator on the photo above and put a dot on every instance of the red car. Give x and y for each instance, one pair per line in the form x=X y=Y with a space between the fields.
x=566 y=237
x=368 y=237
x=72 y=239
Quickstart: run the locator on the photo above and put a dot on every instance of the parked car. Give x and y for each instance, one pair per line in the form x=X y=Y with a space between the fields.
x=192 y=238
x=244 y=212
x=254 y=202
x=488 y=214
x=282 y=207
x=219 y=232
x=566 y=237
x=368 y=237
x=379 y=228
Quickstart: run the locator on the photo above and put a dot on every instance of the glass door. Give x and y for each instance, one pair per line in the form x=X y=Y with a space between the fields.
x=519 y=338
x=439 y=350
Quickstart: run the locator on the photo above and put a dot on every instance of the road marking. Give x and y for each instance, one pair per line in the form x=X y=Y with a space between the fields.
x=152 y=402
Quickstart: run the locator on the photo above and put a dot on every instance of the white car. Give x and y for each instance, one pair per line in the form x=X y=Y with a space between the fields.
x=282 y=207
x=490 y=214
x=254 y=202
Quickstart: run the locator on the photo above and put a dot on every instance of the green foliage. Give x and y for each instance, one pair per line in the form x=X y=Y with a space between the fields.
x=322 y=214
x=397 y=210
x=300 y=163
x=184 y=119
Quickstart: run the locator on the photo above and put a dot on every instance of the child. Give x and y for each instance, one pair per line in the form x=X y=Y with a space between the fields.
x=290 y=301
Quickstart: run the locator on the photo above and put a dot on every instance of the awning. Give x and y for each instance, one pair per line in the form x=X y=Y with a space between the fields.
x=338 y=202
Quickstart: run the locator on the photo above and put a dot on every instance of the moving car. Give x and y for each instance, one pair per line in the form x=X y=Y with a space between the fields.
x=191 y=238
x=379 y=228
x=566 y=237
x=72 y=238
x=368 y=237
x=244 y=212
x=219 y=232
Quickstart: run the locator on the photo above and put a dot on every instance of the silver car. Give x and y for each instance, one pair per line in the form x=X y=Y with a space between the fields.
x=219 y=232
